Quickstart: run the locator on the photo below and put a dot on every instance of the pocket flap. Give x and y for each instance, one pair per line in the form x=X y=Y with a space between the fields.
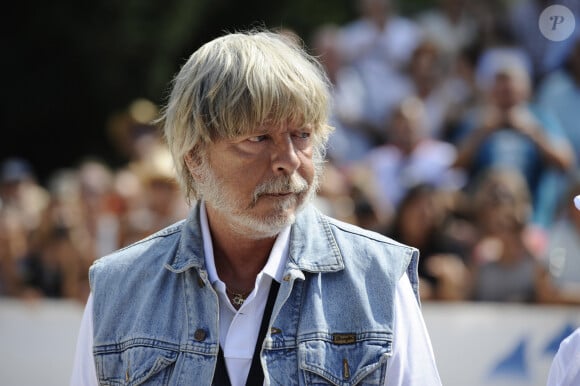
x=345 y=364
x=133 y=366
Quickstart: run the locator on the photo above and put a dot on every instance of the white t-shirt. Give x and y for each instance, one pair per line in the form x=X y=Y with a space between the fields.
x=412 y=362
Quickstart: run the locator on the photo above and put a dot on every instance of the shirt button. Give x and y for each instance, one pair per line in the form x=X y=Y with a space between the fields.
x=199 y=334
x=275 y=330
x=286 y=278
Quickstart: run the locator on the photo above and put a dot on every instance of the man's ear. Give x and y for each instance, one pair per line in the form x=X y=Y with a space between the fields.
x=190 y=160
x=193 y=160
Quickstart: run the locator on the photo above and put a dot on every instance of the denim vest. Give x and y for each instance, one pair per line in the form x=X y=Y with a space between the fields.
x=156 y=314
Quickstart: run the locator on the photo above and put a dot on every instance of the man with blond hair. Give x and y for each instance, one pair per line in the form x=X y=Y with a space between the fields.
x=256 y=286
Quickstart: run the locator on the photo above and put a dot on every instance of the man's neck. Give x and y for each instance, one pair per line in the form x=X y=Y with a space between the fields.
x=238 y=258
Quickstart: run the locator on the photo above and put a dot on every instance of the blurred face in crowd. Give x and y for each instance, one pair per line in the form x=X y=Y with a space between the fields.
x=259 y=181
x=424 y=67
x=407 y=125
x=420 y=214
x=502 y=203
x=510 y=88
x=326 y=46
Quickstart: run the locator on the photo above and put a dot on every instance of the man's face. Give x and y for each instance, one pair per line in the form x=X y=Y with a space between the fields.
x=260 y=181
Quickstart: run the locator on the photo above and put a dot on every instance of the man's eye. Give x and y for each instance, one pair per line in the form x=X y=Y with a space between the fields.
x=257 y=138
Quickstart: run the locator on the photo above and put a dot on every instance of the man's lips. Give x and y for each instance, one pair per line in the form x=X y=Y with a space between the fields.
x=280 y=194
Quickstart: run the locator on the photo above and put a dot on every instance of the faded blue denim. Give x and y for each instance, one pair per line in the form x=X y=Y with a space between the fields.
x=156 y=314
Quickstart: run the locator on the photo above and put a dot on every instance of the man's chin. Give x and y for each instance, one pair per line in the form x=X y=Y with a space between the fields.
x=267 y=216
x=262 y=228
x=268 y=222
x=272 y=205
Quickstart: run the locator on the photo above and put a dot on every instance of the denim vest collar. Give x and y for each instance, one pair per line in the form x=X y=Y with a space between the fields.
x=312 y=248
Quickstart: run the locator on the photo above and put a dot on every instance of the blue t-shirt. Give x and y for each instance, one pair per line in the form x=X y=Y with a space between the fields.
x=510 y=149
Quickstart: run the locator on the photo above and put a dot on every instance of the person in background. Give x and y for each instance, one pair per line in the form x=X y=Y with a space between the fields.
x=506 y=262
x=21 y=192
x=159 y=203
x=507 y=130
x=379 y=34
x=256 y=286
x=13 y=245
x=145 y=194
x=52 y=267
x=428 y=79
x=408 y=158
x=452 y=26
x=23 y=203
x=559 y=92
x=352 y=137
x=77 y=225
x=497 y=45
x=462 y=81
x=425 y=218
x=379 y=44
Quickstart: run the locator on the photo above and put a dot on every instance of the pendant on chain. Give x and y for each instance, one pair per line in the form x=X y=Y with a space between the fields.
x=238 y=299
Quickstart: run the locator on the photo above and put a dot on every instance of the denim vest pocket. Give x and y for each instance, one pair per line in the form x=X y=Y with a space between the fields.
x=358 y=363
x=137 y=365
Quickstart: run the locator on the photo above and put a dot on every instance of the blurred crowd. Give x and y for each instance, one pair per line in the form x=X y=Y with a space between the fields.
x=456 y=132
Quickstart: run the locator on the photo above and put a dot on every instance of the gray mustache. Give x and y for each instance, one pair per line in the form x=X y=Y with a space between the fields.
x=292 y=184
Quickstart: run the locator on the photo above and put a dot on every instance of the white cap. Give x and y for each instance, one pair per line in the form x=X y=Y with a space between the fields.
x=577 y=201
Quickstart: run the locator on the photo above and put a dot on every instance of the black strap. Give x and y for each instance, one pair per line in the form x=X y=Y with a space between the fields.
x=256 y=374
x=220 y=377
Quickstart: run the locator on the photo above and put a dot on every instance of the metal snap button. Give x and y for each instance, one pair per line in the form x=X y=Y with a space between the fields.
x=199 y=334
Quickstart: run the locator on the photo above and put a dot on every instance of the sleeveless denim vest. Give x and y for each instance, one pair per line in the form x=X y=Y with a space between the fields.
x=156 y=313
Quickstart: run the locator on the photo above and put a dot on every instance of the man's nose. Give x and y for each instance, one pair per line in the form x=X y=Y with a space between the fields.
x=285 y=161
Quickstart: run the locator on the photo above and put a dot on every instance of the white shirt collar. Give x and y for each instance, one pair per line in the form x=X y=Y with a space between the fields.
x=276 y=261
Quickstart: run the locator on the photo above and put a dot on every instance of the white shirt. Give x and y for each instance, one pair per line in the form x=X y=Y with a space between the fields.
x=412 y=362
x=239 y=329
x=565 y=368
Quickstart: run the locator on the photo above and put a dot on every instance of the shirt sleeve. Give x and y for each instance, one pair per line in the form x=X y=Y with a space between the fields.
x=83 y=373
x=565 y=368
x=413 y=360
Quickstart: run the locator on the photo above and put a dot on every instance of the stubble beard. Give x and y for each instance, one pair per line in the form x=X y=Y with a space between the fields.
x=242 y=219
